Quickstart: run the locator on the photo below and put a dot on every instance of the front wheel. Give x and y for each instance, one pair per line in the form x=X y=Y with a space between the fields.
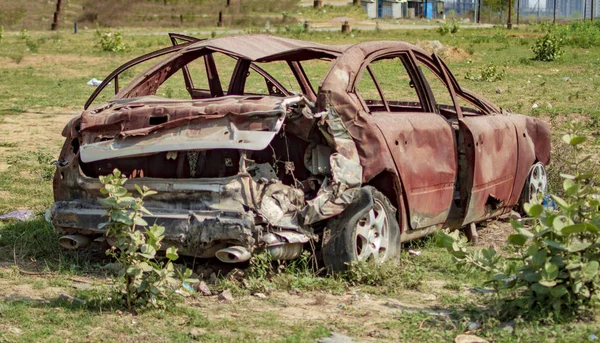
x=367 y=230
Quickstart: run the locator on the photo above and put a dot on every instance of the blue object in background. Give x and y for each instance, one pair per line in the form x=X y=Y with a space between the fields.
x=428 y=9
x=549 y=203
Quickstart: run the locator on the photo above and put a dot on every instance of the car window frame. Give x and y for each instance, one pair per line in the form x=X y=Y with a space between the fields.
x=409 y=63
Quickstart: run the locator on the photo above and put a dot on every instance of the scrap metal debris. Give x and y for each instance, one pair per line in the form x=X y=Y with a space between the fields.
x=19 y=215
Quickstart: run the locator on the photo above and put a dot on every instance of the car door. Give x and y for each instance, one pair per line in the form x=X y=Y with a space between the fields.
x=488 y=144
x=421 y=141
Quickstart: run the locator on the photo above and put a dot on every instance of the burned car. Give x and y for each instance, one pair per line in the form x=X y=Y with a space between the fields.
x=357 y=149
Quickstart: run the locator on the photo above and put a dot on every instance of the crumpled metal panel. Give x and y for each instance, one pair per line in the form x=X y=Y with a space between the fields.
x=492 y=153
x=423 y=147
x=533 y=136
x=205 y=126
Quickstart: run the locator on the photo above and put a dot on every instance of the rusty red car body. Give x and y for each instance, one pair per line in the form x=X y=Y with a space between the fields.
x=274 y=171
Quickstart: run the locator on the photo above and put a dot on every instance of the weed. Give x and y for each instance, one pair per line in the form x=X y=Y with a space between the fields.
x=168 y=92
x=548 y=48
x=147 y=281
x=489 y=73
x=388 y=277
x=24 y=34
x=33 y=45
x=8 y=144
x=111 y=41
x=452 y=27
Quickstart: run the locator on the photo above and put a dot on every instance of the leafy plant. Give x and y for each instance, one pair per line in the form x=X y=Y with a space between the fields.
x=452 y=27
x=386 y=276
x=489 y=73
x=146 y=280
x=111 y=41
x=24 y=34
x=554 y=269
x=1 y=33
x=34 y=44
x=548 y=48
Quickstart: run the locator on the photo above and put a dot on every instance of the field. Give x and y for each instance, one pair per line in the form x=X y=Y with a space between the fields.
x=423 y=298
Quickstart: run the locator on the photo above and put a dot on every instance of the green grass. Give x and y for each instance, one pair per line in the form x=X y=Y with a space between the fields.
x=38 y=90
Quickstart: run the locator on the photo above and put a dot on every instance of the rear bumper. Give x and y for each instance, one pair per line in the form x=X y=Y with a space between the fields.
x=196 y=233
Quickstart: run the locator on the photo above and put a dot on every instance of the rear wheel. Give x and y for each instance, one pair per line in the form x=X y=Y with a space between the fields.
x=535 y=186
x=366 y=231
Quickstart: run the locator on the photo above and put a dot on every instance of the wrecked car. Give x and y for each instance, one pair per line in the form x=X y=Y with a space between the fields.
x=345 y=151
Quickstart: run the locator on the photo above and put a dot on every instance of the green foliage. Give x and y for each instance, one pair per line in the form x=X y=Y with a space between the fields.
x=449 y=27
x=147 y=281
x=554 y=268
x=387 y=277
x=489 y=73
x=548 y=48
x=34 y=44
x=1 y=33
x=111 y=41
x=24 y=34
x=579 y=34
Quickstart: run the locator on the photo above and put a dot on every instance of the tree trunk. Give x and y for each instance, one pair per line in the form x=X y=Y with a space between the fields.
x=56 y=21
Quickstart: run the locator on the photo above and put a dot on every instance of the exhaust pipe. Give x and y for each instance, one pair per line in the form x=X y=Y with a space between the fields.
x=73 y=242
x=234 y=254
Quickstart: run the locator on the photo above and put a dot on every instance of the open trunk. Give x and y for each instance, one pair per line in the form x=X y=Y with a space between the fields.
x=227 y=171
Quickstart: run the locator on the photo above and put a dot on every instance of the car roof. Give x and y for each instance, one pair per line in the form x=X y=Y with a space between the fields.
x=265 y=48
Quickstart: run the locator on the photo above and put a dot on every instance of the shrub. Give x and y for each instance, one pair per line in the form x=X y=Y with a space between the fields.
x=111 y=41
x=489 y=73
x=451 y=27
x=34 y=44
x=146 y=281
x=548 y=48
x=1 y=33
x=24 y=34
x=554 y=268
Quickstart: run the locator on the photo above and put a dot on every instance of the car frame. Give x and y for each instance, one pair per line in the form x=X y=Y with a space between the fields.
x=351 y=177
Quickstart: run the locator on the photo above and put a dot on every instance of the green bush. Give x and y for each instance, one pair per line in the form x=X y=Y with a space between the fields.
x=553 y=271
x=146 y=281
x=34 y=44
x=451 y=27
x=489 y=73
x=111 y=41
x=579 y=34
x=548 y=48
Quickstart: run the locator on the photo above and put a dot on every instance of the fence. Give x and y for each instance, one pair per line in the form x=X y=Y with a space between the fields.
x=525 y=10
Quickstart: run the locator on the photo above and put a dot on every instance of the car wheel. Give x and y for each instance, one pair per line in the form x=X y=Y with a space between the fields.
x=536 y=185
x=367 y=230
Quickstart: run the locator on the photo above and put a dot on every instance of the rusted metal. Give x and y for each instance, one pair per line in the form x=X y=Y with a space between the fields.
x=268 y=171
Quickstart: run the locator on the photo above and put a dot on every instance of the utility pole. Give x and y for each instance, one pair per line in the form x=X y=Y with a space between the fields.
x=584 y=9
x=554 y=19
x=518 y=10
x=592 y=11
x=479 y=11
x=509 y=21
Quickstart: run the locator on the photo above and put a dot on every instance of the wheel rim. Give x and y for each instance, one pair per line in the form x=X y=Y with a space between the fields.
x=538 y=182
x=372 y=235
